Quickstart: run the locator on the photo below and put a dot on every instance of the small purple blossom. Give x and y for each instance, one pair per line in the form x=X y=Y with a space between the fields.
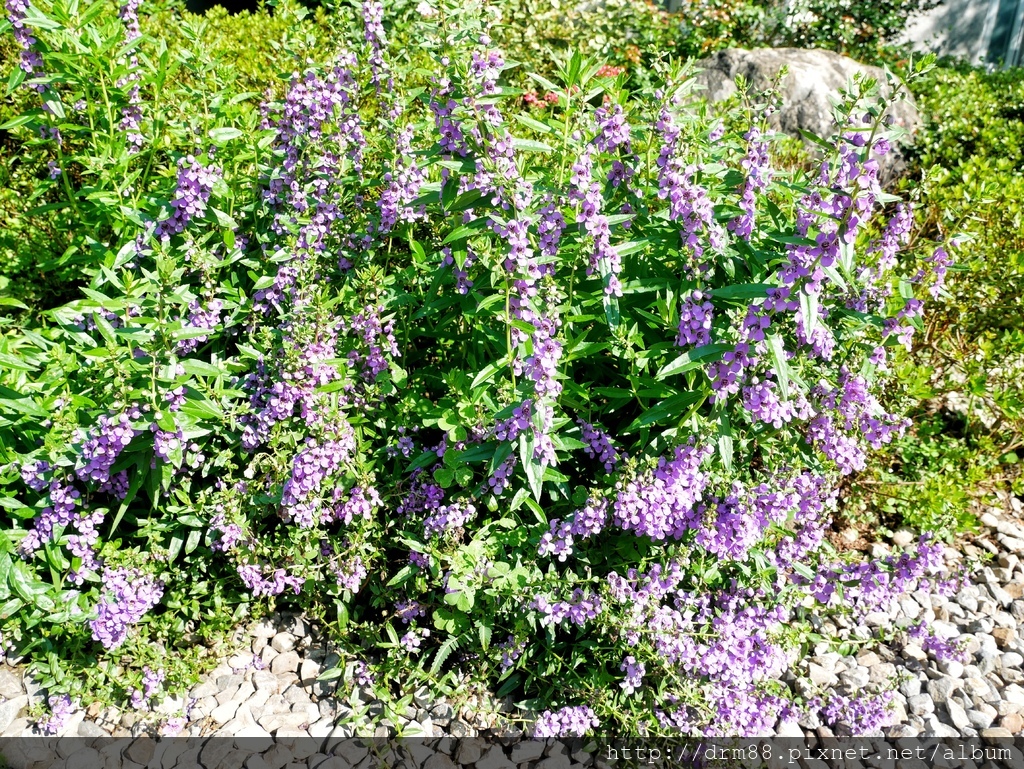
x=567 y=722
x=695 y=317
x=413 y=640
x=195 y=185
x=279 y=580
x=128 y=595
x=61 y=710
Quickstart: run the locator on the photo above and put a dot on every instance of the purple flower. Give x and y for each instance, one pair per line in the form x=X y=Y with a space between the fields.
x=587 y=193
x=731 y=528
x=360 y=504
x=407 y=611
x=419 y=560
x=413 y=639
x=579 y=609
x=757 y=165
x=61 y=709
x=448 y=517
x=664 y=503
x=128 y=595
x=567 y=722
x=195 y=185
x=253 y=578
x=688 y=202
x=695 y=316
x=511 y=651
x=361 y=674
x=599 y=446
x=944 y=649
x=550 y=227
x=310 y=468
x=373 y=26
x=350 y=575
x=940 y=262
x=103 y=444
x=230 y=533
x=152 y=680
x=403 y=185
x=377 y=342
x=200 y=318
x=31 y=61
x=172 y=727
x=461 y=274
x=634 y=674
x=34 y=474
x=861 y=714
x=502 y=475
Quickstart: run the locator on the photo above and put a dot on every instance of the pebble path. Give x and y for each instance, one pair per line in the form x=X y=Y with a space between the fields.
x=267 y=688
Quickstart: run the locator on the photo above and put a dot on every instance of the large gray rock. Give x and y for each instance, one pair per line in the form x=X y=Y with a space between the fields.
x=808 y=91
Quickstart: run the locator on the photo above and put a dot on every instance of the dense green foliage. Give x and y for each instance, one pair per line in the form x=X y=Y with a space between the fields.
x=345 y=380
x=963 y=380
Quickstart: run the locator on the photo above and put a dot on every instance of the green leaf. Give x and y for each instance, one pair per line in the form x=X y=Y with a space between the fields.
x=534 y=471
x=443 y=653
x=55 y=108
x=174 y=549
x=17 y=78
x=780 y=365
x=809 y=306
x=509 y=686
x=29 y=588
x=725 y=441
x=536 y=125
x=200 y=368
x=224 y=220
x=693 y=359
x=528 y=145
x=486 y=374
x=331 y=673
x=742 y=291
x=224 y=134
x=537 y=511
x=464 y=476
x=444 y=476
x=22 y=403
x=803 y=571
x=544 y=82
x=403 y=574
x=14 y=122
x=667 y=410
x=460 y=233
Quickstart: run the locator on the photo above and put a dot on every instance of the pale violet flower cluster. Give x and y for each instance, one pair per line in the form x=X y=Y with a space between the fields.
x=567 y=722
x=696 y=314
x=195 y=185
x=448 y=518
x=128 y=595
x=254 y=578
x=300 y=498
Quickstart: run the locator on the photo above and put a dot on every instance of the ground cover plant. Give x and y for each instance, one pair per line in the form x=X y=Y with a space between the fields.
x=560 y=400
x=961 y=382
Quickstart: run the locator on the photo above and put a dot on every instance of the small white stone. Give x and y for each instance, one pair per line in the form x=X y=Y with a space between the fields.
x=951 y=668
x=283 y=642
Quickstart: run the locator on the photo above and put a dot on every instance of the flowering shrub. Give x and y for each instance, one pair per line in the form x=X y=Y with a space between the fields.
x=963 y=376
x=559 y=400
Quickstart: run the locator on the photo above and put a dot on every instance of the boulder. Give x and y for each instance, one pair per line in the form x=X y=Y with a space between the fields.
x=808 y=92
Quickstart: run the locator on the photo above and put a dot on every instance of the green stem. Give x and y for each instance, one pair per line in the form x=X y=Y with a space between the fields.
x=565 y=133
x=508 y=332
x=67 y=182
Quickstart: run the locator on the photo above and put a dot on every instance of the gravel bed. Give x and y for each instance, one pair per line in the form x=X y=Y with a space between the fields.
x=267 y=688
